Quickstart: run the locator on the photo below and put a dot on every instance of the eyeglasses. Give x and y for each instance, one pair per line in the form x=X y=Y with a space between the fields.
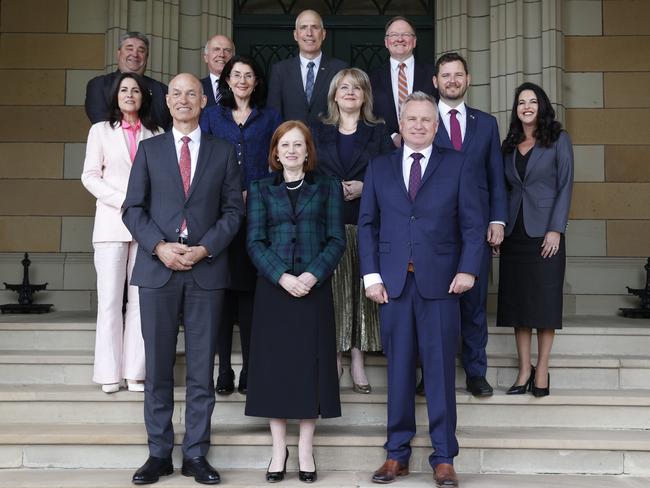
x=397 y=35
x=238 y=76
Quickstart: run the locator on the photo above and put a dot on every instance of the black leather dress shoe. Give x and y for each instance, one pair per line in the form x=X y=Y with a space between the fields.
x=275 y=476
x=200 y=469
x=225 y=383
x=242 y=387
x=307 y=476
x=152 y=470
x=479 y=387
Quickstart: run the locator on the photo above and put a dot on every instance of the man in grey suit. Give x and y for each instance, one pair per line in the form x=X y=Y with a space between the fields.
x=183 y=206
x=298 y=86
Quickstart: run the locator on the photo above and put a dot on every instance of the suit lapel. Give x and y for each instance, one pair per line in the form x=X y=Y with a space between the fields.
x=538 y=150
x=296 y=80
x=511 y=166
x=388 y=88
x=118 y=140
x=442 y=138
x=361 y=139
x=329 y=135
x=397 y=171
x=470 y=127
x=432 y=165
x=279 y=197
x=171 y=160
x=321 y=79
x=307 y=192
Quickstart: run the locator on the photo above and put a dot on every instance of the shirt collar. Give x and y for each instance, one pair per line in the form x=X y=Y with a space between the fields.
x=409 y=62
x=195 y=135
x=444 y=108
x=213 y=79
x=426 y=152
x=304 y=61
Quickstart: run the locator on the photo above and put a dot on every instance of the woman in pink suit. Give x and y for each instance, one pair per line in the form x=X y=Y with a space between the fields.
x=111 y=148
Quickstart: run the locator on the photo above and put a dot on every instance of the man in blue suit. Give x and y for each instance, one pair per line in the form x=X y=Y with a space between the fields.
x=298 y=86
x=420 y=247
x=183 y=205
x=400 y=75
x=476 y=135
x=216 y=53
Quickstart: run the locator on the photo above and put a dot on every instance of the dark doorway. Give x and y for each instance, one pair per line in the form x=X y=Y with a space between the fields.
x=355 y=28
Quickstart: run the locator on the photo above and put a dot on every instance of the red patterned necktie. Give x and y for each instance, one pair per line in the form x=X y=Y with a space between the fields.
x=415 y=177
x=454 y=126
x=402 y=85
x=185 y=162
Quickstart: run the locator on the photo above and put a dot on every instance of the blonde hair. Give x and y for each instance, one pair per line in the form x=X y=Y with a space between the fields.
x=361 y=78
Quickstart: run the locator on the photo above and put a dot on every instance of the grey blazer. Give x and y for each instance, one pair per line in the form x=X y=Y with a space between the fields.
x=545 y=192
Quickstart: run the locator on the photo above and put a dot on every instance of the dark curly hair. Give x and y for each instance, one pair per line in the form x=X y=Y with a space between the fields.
x=258 y=97
x=144 y=114
x=548 y=129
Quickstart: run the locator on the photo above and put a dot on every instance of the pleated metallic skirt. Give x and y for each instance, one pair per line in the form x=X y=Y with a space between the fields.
x=356 y=317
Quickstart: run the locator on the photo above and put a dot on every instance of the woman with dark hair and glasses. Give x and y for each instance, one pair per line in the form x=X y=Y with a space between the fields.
x=348 y=137
x=243 y=119
x=110 y=150
x=538 y=161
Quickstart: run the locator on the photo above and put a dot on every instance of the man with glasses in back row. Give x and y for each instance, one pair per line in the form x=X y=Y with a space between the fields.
x=400 y=76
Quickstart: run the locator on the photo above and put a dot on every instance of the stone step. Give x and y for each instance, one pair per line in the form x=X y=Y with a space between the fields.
x=564 y=408
x=567 y=371
x=483 y=450
x=119 y=478
x=587 y=335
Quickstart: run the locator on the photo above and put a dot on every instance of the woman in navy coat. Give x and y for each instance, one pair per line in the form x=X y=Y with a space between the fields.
x=243 y=119
x=347 y=138
x=538 y=161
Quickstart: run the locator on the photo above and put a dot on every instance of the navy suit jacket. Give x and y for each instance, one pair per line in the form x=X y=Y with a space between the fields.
x=482 y=147
x=287 y=92
x=98 y=99
x=155 y=207
x=382 y=91
x=545 y=192
x=441 y=232
x=208 y=91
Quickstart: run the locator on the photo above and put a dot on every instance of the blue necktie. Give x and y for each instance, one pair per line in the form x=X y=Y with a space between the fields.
x=217 y=93
x=309 y=86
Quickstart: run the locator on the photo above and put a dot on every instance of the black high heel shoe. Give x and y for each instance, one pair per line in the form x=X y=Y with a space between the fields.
x=522 y=389
x=542 y=392
x=275 y=476
x=307 y=476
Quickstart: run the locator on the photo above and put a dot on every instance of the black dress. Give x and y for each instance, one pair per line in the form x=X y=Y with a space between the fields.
x=292 y=372
x=530 y=287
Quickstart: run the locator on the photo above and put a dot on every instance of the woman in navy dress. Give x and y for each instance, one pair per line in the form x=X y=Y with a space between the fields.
x=243 y=119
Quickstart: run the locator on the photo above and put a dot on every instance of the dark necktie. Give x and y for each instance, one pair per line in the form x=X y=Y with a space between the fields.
x=217 y=93
x=454 y=127
x=415 y=177
x=309 y=85
x=185 y=163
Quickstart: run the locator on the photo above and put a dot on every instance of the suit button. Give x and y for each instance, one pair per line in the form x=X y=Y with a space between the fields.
x=412 y=217
x=178 y=230
x=298 y=260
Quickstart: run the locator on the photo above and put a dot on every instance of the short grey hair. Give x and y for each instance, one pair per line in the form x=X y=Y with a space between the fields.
x=207 y=43
x=419 y=96
x=309 y=10
x=134 y=35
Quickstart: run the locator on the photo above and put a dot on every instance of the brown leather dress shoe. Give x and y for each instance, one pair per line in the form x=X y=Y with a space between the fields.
x=445 y=475
x=389 y=472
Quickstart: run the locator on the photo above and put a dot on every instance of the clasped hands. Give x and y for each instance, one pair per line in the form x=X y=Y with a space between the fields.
x=352 y=189
x=179 y=257
x=298 y=286
x=460 y=284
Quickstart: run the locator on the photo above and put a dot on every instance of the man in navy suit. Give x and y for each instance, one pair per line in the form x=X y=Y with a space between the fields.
x=420 y=247
x=400 y=40
x=216 y=53
x=132 y=57
x=298 y=86
x=476 y=135
x=183 y=205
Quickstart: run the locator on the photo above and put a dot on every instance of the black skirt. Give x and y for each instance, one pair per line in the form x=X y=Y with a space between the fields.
x=530 y=287
x=292 y=366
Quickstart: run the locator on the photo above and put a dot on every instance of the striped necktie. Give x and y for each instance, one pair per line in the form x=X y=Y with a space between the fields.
x=402 y=85
x=309 y=85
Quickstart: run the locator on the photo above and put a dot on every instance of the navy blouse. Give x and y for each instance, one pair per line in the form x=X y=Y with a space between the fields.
x=250 y=139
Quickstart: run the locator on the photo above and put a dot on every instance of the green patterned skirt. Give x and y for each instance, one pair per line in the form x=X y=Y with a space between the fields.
x=357 y=317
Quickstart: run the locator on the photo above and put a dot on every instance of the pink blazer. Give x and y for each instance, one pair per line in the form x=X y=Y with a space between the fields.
x=106 y=175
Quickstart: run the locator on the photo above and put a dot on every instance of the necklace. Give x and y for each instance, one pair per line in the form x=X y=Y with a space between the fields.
x=294 y=187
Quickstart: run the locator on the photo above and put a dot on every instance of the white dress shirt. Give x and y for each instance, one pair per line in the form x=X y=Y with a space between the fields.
x=461 y=116
x=303 y=67
x=394 y=78
x=193 y=145
x=407 y=161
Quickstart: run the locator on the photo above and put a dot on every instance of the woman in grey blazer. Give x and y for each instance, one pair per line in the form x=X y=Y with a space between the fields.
x=538 y=163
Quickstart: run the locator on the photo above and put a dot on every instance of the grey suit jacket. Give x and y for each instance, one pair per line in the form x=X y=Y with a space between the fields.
x=545 y=192
x=287 y=92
